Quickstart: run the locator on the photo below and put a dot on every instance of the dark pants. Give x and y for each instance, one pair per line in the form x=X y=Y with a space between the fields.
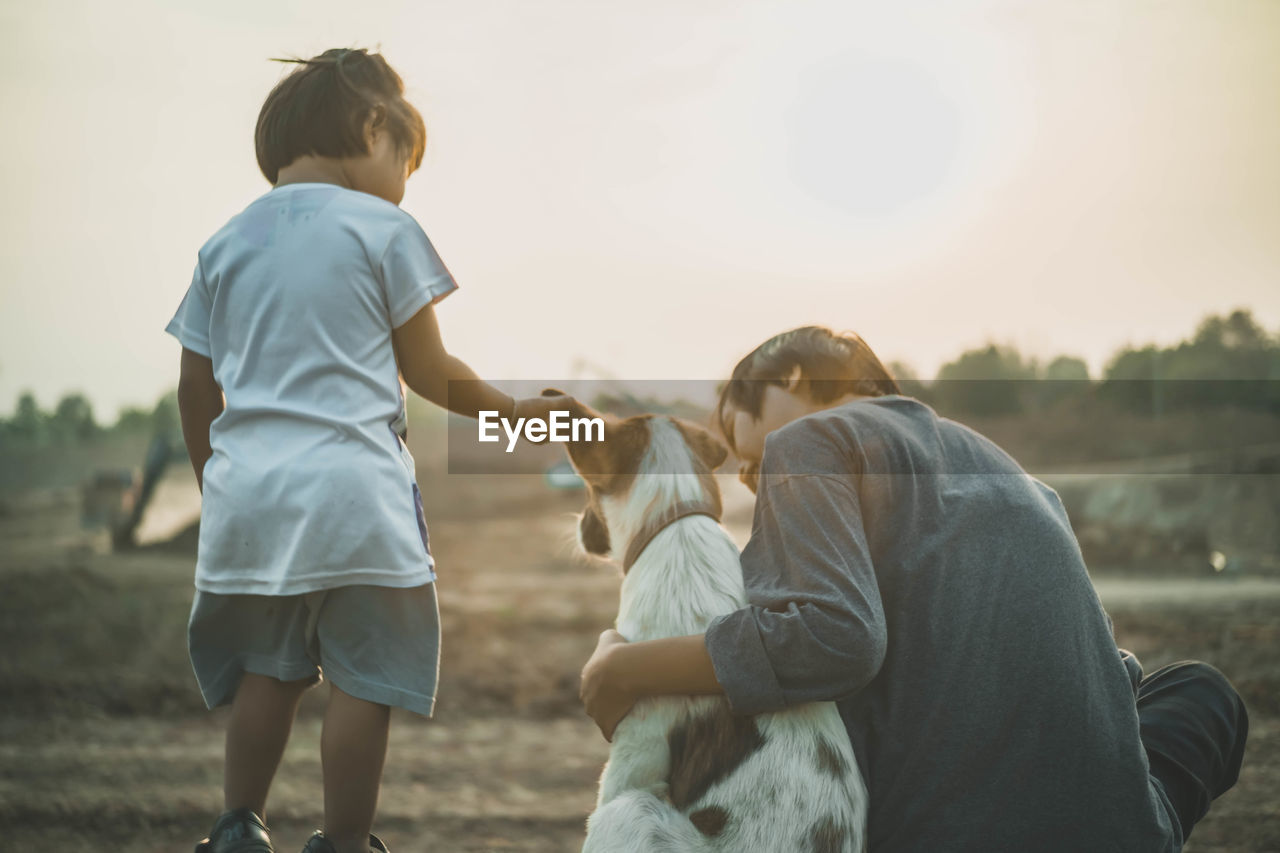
x=1193 y=725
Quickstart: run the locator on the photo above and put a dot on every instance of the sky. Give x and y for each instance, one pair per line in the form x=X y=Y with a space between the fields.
x=655 y=188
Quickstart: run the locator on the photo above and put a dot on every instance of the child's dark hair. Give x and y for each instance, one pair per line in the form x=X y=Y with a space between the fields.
x=824 y=364
x=322 y=108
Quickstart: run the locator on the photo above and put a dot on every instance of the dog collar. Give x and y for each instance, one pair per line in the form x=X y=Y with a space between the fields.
x=655 y=526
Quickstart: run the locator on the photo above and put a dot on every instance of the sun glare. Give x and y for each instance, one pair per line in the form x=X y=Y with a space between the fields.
x=871 y=135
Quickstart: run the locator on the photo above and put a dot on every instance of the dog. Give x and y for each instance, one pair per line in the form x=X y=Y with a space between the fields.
x=684 y=773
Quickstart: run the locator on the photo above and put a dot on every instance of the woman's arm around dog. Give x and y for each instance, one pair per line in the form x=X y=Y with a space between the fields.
x=619 y=673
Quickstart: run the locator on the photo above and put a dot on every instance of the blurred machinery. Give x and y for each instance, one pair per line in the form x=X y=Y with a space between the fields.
x=117 y=498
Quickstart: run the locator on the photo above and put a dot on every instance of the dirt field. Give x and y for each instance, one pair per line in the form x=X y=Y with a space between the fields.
x=105 y=745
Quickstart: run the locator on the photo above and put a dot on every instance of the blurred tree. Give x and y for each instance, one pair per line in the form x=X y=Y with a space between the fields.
x=909 y=381
x=73 y=419
x=29 y=425
x=165 y=417
x=132 y=419
x=1237 y=331
x=1066 y=378
x=901 y=370
x=990 y=380
x=1067 y=368
x=1229 y=360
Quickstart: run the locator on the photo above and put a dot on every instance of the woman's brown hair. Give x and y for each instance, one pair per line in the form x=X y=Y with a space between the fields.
x=814 y=360
x=322 y=107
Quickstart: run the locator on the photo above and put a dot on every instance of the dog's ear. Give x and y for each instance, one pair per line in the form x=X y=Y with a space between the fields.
x=593 y=533
x=553 y=392
x=707 y=447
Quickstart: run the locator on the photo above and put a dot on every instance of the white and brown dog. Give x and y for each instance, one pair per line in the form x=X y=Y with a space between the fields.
x=684 y=773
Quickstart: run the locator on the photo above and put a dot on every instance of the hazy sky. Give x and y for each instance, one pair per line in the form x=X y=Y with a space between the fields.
x=659 y=186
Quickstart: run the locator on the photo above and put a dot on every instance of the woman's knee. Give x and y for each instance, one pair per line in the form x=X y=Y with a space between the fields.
x=1210 y=680
x=1192 y=712
x=1191 y=675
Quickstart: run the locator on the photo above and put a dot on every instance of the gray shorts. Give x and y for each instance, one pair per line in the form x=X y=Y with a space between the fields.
x=377 y=643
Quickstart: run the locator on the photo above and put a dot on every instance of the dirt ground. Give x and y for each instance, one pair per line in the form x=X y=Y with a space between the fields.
x=105 y=745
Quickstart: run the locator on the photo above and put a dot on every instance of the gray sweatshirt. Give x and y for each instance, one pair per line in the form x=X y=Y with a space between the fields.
x=905 y=566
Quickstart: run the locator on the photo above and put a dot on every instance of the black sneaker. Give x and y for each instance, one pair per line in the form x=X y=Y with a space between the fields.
x=237 y=831
x=319 y=844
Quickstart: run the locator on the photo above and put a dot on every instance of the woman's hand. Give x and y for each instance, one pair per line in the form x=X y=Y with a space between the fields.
x=604 y=699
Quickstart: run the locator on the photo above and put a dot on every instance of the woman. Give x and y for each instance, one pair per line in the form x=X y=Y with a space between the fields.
x=904 y=566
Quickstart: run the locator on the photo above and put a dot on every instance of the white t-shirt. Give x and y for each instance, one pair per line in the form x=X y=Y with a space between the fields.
x=309 y=486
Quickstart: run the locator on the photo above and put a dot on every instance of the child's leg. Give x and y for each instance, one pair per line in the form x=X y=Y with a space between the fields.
x=353 y=748
x=261 y=719
x=379 y=647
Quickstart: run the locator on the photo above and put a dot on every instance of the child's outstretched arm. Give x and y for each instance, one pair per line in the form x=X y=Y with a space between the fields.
x=428 y=369
x=199 y=402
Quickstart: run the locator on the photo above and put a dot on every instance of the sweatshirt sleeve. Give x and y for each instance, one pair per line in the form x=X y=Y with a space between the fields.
x=814 y=629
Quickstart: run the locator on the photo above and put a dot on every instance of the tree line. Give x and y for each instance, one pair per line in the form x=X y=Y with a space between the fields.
x=1228 y=360
x=72 y=421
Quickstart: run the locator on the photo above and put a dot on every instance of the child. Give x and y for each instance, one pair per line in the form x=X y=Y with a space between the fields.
x=304 y=311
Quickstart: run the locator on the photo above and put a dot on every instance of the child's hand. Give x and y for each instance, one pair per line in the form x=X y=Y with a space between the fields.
x=604 y=699
x=542 y=407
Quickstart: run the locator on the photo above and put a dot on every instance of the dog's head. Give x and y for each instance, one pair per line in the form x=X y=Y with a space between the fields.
x=640 y=465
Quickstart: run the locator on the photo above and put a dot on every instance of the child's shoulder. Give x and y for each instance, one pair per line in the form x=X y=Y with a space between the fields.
x=372 y=219
x=343 y=205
